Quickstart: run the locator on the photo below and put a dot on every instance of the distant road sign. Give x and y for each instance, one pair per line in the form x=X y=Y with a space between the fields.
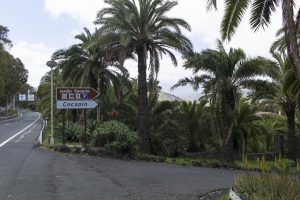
x=30 y=97
x=80 y=93
x=75 y=104
x=22 y=97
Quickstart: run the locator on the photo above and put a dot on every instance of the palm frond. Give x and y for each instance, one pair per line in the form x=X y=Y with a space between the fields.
x=234 y=11
x=261 y=13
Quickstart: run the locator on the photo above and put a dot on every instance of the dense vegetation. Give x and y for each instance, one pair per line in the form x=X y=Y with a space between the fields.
x=13 y=75
x=248 y=104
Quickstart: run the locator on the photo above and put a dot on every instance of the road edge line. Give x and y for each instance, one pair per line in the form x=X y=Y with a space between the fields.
x=12 y=137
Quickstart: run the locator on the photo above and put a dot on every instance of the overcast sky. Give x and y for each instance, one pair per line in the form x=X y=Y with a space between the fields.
x=39 y=27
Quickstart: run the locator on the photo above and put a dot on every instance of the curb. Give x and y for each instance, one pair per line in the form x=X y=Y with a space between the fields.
x=11 y=117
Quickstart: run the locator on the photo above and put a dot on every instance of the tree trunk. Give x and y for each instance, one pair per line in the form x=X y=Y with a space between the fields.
x=192 y=144
x=227 y=152
x=291 y=34
x=227 y=137
x=143 y=116
x=245 y=142
x=290 y=108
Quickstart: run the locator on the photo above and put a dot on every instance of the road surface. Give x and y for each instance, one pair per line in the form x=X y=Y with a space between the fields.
x=31 y=173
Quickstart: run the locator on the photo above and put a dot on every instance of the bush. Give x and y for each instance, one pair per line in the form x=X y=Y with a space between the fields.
x=116 y=137
x=74 y=131
x=268 y=186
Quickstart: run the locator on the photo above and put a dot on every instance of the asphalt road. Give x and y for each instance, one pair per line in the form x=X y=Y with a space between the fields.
x=32 y=173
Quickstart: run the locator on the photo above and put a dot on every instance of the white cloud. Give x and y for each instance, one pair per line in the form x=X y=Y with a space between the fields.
x=82 y=11
x=34 y=57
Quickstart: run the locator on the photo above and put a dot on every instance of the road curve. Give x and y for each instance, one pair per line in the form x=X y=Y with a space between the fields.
x=31 y=173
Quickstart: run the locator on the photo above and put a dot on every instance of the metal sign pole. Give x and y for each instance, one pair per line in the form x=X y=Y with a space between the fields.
x=84 y=136
x=63 y=128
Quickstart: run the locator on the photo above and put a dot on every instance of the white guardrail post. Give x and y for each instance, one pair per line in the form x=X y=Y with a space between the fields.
x=233 y=195
x=40 y=139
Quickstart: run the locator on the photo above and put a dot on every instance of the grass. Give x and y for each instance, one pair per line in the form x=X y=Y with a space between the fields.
x=268 y=186
x=253 y=164
x=9 y=113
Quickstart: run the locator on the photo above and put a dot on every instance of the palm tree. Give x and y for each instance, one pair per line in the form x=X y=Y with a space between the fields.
x=222 y=77
x=88 y=62
x=261 y=12
x=284 y=91
x=191 y=116
x=145 y=29
x=247 y=124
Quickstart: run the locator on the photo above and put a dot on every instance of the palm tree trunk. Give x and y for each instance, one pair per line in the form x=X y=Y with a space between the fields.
x=290 y=34
x=143 y=116
x=244 y=148
x=228 y=109
x=192 y=144
x=290 y=109
x=227 y=152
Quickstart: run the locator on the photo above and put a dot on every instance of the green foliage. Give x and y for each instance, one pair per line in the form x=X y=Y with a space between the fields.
x=272 y=187
x=13 y=75
x=263 y=165
x=117 y=137
x=179 y=161
x=222 y=75
x=246 y=163
x=225 y=197
x=298 y=168
x=74 y=131
x=261 y=11
x=282 y=166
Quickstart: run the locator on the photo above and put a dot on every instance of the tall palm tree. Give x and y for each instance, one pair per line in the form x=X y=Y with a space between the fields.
x=88 y=62
x=145 y=29
x=284 y=91
x=261 y=11
x=223 y=75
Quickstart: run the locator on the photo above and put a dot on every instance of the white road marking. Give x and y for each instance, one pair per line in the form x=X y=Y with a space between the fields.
x=12 y=137
x=23 y=135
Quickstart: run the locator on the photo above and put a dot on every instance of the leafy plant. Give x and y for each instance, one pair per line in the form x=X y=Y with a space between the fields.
x=282 y=165
x=246 y=163
x=264 y=166
x=74 y=131
x=117 y=137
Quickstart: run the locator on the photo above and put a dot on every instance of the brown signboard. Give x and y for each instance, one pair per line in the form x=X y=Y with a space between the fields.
x=73 y=94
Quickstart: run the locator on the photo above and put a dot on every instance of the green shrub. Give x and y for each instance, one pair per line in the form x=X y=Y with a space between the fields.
x=74 y=131
x=269 y=187
x=116 y=137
